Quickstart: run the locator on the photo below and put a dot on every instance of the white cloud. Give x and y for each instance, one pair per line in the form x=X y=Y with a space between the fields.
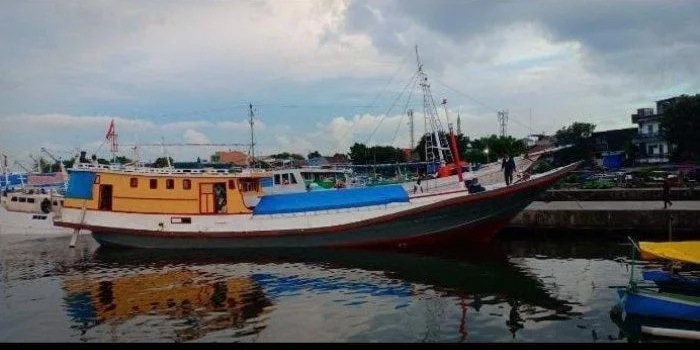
x=64 y=121
x=188 y=125
x=258 y=125
x=294 y=144
x=139 y=60
x=193 y=136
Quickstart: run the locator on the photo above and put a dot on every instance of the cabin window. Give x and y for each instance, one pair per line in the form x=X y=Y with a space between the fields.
x=186 y=184
x=14 y=199
x=30 y=200
x=285 y=179
x=249 y=186
x=153 y=184
x=277 y=179
x=134 y=182
x=170 y=184
x=231 y=184
x=293 y=178
x=55 y=203
x=22 y=199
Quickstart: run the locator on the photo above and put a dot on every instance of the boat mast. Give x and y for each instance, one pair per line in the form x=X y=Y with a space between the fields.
x=431 y=116
x=4 y=167
x=251 y=155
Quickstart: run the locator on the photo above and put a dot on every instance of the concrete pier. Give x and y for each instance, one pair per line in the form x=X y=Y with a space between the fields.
x=620 y=194
x=610 y=215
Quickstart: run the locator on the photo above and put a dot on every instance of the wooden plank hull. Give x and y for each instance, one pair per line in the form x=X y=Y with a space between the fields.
x=474 y=217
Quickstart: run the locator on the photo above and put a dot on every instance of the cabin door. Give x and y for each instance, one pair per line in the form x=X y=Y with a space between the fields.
x=105 y=198
x=212 y=198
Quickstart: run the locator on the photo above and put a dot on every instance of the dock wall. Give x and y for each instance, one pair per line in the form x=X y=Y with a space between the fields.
x=619 y=194
x=612 y=210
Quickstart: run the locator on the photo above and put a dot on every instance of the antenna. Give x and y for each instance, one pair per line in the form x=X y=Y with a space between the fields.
x=459 y=122
x=503 y=122
x=165 y=153
x=431 y=115
x=252 y=138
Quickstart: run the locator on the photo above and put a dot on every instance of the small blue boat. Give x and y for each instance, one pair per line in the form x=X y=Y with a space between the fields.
x=650 y=303
x=669 y=282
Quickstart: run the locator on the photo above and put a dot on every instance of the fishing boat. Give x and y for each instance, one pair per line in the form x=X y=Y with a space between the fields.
x=649 y=303
x=153 y=208
x=643 y=301
x=638 y=328
x=303 y=179
x=674 y=282
x=177 y=208
x=29 y=199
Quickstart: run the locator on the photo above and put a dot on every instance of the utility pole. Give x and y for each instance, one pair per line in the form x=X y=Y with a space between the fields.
x=252 y=138
x=503 y=122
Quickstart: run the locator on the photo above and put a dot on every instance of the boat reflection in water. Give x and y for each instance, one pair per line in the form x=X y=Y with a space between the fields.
x=183 y=294
x=239 y=290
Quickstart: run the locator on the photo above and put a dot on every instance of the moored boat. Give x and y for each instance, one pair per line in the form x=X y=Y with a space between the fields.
x=156 y=208
x=683 y=251
x=650 y=303
x=168 y=208
x=674 y=282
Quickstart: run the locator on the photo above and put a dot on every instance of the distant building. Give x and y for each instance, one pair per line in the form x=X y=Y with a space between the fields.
x=231 y=157
x=339 y=159
x=609 y=146
x=539 y=142
x=653 y=148
x=318 y=161
x=613 y=140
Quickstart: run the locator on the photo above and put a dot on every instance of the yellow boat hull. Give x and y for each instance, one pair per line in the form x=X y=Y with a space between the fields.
x=685 y=251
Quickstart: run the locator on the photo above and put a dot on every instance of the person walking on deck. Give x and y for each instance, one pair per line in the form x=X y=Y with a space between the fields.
x=508 y=167
x=667 y=193
x=503 y=168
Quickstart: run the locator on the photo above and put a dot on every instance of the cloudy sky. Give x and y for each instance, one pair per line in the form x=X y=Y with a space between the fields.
x=322 y=74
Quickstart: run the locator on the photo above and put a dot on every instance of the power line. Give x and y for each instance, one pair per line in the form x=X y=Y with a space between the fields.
x=376 y=97
x=481 y=103
x=381 y=117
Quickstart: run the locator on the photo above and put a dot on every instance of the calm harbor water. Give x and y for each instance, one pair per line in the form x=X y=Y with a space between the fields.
x=512 y=290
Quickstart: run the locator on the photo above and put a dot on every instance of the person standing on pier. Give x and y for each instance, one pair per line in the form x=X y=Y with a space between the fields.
x=667 y=193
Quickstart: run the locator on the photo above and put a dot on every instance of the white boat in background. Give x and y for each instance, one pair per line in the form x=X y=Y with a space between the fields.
x=303 y=179
x=25 y=215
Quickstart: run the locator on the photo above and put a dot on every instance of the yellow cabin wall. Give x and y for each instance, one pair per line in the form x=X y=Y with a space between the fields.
x=143 y=199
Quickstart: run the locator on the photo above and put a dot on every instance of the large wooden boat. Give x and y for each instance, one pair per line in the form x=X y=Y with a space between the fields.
x=155 y=208
x=168 y=208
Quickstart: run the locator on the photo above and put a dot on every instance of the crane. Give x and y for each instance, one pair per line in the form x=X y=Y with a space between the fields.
x=60 y=163
x=22 y=166
x=38 y=164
